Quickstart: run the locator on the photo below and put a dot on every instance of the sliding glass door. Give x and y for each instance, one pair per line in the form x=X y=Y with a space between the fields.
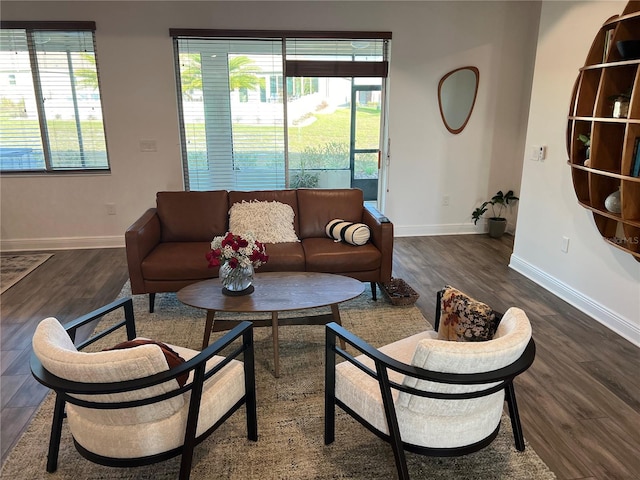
x=274 y=113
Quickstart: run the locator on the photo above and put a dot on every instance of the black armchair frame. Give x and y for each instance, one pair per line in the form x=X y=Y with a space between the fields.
x=504 y=378
x=66 y=390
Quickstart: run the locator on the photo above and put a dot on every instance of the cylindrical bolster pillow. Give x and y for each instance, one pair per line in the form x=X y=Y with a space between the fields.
x=350 y=232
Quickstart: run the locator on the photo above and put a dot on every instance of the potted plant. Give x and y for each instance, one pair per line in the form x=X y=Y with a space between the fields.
x=586 y=141
x=497 y=223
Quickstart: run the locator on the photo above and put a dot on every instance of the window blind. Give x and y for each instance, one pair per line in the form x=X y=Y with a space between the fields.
x=232 y=113
x=51 y=118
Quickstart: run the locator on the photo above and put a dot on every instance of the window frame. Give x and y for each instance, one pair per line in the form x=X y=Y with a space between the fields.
x=56 y=26
x=290 y=67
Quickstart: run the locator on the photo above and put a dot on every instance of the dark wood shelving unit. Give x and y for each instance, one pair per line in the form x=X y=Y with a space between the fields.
x=615 y=142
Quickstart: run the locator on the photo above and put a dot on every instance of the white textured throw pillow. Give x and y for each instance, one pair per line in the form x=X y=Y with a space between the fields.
x=270 y=222
x=350 y=232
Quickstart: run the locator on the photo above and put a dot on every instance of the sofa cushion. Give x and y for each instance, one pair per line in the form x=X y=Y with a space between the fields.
x=319 y=206
x=283 y=257
x=192 y=216
x=283 y=196
x=178 y=261
x=325 y=255
x=269 y=222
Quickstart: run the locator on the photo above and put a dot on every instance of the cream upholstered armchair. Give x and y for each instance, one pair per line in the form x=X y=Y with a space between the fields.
x=429 y=396
x=127 y=407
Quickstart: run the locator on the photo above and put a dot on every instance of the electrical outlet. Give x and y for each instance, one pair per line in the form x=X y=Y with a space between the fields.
x=542 y=153
x=111 y=208
x=565 y=244
x=445 y=200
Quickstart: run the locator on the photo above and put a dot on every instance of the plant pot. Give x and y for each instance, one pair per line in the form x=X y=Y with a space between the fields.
x=497 y=227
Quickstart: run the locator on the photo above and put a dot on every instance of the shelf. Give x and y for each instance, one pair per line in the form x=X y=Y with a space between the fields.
x=620 y=63
x=622 y=121
x=596 y=171
x=613 y=141
x=612 y=216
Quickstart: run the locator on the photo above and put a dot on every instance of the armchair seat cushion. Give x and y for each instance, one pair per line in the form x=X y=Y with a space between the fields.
x=220 y=393
x=361 y=393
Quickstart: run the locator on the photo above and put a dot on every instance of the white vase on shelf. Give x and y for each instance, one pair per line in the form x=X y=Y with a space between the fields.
x=612 y=202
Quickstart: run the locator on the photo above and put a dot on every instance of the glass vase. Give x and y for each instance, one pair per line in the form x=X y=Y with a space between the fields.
x=236 y=280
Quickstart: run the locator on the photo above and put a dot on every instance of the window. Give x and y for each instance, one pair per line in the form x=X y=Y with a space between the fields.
x=51 y=112
x=272 y=110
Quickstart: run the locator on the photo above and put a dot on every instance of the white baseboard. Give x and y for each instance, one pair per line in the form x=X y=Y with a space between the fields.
x=61 y=243
x=430 y=230
x=598 y=312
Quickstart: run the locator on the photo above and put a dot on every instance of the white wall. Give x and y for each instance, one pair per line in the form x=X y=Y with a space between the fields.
x=137 y=79
x=596 y=277
x=429 y=39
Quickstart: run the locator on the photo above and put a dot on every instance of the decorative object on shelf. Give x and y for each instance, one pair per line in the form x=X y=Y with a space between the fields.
x=237 y=256
x=606 y=105
x=497 y=223
x=612 y=202
x=621 y=105
x=586 y=141
x=608 y=36
x=457 y=92
x=635 y=159
x=629 y=49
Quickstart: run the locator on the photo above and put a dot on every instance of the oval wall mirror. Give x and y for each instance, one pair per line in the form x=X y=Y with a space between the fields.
x=457 y=93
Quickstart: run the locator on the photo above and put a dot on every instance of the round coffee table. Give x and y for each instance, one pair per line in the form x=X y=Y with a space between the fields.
x=274 y=292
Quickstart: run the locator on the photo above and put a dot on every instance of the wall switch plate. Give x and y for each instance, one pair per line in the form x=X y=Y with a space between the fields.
x=148 y=146
x=445 y=200
x=533 y=154
x=111 y=208
x=565 y=244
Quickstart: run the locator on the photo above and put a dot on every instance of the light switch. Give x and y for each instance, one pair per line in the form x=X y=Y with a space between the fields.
x=148 y=146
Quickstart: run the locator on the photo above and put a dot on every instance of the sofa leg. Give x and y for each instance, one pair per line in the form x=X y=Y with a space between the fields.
x=374 y=292
x=152 y=301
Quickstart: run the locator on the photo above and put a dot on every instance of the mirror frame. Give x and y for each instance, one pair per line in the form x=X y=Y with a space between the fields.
x=475 y=70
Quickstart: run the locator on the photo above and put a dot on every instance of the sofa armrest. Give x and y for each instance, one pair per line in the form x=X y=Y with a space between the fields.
x=382 y=237
x=140 y=239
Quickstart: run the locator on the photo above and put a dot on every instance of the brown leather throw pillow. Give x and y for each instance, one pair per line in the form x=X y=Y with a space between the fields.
x=173 y=359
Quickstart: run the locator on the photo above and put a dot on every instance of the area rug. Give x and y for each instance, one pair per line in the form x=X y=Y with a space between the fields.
x=14 y=268
x=290 y=414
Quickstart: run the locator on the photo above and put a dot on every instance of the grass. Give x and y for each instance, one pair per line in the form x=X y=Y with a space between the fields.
x=62 y=133
x=326 y=130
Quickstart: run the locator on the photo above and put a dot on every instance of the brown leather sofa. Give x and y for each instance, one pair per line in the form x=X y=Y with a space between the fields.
x=166 y=246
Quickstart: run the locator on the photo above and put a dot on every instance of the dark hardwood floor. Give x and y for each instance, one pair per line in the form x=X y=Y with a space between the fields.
x=579 y=402
x=69 y=284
